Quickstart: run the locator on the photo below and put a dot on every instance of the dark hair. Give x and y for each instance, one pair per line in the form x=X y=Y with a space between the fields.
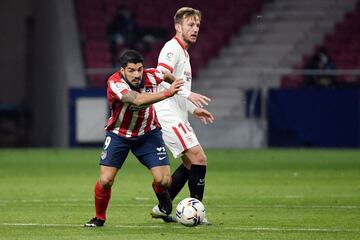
x=130 y=56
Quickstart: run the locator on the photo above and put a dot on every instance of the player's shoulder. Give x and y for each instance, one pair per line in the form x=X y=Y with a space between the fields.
x=151 y=74
x=149 y=71
x=116 y=82
x=172 y=45
x=115 y=77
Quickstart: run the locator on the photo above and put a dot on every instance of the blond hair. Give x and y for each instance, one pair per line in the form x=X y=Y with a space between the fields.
x=185 y=12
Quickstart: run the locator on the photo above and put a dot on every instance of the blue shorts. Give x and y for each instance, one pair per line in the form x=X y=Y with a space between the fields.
x=149 y=149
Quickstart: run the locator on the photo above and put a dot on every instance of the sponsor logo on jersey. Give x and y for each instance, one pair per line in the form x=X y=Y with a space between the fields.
x=187 y=76
x=161 y=153
x=160 y=149
x=118 y=85
x=103 y=154
x=137 y=108
x=169 y=56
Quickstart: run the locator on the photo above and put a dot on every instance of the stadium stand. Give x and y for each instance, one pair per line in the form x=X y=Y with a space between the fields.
x=243 y=46
x=221 y=22
x=343 y=46
x=275 y=40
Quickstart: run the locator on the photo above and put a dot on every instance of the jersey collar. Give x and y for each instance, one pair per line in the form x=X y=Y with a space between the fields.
x=180 y=43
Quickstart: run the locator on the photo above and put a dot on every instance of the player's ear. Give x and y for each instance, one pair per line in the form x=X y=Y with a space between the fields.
x=122 y=71
x=178 y=27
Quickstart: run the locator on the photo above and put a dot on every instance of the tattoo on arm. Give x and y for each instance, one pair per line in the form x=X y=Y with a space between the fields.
x=129 y=97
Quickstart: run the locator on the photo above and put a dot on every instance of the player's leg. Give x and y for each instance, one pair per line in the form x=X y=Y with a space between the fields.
x=197 y=158
x=162 y=180
x=151 y=152
x=192 y=169
x=102 y=195
x=179 y=177
x=112 y=158
x=181 y=140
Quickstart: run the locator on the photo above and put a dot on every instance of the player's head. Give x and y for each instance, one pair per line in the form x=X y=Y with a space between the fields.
x=187 y=24
x=132 y=67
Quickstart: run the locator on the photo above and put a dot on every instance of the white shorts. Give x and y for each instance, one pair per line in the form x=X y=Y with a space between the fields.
x=178 y=135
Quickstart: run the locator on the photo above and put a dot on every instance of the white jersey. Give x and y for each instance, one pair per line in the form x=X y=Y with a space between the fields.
x=173 y=112
x=175 y=59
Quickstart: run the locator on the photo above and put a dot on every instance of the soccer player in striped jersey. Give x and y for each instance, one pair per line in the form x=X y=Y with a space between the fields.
x=178 y=135
x=133 y=125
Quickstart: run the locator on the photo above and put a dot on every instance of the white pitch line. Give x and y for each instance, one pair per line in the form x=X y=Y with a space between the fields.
x=288 y=206
x=246 y=229
x=39 y=225
x=77 y=202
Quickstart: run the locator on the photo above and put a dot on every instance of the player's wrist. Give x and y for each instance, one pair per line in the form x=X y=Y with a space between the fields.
x=167 y=93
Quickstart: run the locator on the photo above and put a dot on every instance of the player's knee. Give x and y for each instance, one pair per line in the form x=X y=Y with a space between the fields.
x=196 y=156
x=200 y=159
x=106 y=182
x=163 y=180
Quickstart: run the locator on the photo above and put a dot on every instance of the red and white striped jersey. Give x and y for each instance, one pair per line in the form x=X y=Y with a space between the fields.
x=127 y=120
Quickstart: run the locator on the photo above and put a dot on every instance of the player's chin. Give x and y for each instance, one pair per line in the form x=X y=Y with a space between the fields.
x=136 y=84
x=193 y=39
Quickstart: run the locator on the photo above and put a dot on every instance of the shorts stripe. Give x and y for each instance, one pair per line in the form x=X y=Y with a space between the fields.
x=180 y=138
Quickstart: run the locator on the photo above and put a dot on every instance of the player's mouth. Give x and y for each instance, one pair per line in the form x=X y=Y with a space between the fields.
x=194 y=36
x=136 y=81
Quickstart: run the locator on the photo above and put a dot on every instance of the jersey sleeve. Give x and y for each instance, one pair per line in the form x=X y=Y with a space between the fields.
x=190 y=107
x=184 y=92
x=118 y=88
x=168 y=57
x=152 y=78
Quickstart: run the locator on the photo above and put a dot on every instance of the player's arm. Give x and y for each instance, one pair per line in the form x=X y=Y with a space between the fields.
x=169 y=78
x=198 y=99
x=139 y=99
x=203 y=115
x=200 y=113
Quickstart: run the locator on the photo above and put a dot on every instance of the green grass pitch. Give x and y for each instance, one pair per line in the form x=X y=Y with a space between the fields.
x=250 y=194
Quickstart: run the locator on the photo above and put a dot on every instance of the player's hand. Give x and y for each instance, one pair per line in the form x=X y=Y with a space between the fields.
x=203 y=115
x=176 y=86
x=198 y=99
x=169 y=78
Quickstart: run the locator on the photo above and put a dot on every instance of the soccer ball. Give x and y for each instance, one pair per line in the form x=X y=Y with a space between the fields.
x=190 y=212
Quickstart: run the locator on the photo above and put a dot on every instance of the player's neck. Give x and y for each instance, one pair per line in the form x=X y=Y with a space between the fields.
x=182 y=42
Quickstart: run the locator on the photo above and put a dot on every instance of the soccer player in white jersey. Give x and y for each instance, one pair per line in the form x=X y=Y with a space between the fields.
x=133 y=125
x=172 y=113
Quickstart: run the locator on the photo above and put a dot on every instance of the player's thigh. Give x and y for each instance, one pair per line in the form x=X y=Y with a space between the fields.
x=150 y=150
x=178 y=136
x=115 y=151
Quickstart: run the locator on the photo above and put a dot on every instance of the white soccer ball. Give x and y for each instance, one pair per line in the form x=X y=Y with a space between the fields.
x=190 y=212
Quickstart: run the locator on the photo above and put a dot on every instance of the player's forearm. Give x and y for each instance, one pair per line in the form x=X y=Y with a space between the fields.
x=148 y=98
x=169 y=78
